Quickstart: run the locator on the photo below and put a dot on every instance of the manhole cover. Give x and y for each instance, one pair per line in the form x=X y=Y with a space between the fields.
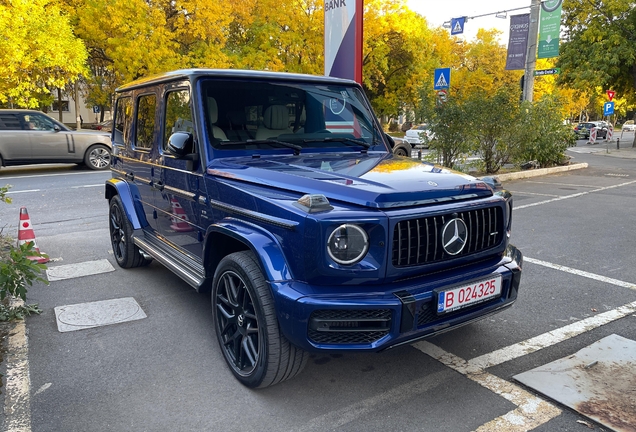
x=599 y=382
x=96 y=314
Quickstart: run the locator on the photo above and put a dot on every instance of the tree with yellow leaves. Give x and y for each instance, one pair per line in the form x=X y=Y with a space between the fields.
x=38 y=52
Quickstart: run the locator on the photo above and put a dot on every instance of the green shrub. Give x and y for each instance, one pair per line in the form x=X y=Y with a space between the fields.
x=17 y=272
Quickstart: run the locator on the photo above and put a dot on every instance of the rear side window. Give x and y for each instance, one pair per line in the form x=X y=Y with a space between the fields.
x=145 y=121
x=123 y=121
x=178 y=115
x=9 y=122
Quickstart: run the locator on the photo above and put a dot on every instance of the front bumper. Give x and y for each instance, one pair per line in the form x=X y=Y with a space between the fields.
x=374 y=318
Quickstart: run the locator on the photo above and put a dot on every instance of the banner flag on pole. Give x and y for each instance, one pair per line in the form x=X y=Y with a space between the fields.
x=518 y=42
x=549 y=28
x=343 y=39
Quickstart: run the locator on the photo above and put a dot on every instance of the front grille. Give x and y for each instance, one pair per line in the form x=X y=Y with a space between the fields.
x=348 y=326
x=419 y=241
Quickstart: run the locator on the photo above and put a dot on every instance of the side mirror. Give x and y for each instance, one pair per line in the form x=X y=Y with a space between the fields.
x=56 y=128
x=390 y=139
x=180 y=144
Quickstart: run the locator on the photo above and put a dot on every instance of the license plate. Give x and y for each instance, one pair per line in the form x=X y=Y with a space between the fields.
x=469 y=294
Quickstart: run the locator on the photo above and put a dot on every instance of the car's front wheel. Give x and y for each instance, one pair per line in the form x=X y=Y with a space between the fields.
x=257 y=353
x=97 y=157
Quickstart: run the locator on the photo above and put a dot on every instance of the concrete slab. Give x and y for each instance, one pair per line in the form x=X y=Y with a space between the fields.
x=598 y=381
x=97 y=314
x=70 y=271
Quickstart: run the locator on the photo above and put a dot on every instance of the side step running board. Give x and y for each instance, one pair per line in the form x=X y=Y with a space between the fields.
x=190 y=275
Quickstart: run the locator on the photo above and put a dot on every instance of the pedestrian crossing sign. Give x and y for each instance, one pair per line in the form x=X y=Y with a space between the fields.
x=457 y=25
x=441 y=79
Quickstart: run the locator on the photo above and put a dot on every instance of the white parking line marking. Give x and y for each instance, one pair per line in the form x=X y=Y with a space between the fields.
x=581 y=273
x=561 y=184
x=531 y=411
x=23 y=191
x=550 y=338
x=573 y=195
x=52 y=175
x=70 y=271
x=87 y=186
x=17 y=405
x=405 y=392
x=533 y=193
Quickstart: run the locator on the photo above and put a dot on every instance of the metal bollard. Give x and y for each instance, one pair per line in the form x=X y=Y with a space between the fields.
x=618 y=143
x=419 y=154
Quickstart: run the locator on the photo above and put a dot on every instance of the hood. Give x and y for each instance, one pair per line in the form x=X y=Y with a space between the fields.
x=378 y=180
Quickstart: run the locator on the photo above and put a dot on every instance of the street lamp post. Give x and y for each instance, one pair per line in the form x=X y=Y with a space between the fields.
x=531 y=55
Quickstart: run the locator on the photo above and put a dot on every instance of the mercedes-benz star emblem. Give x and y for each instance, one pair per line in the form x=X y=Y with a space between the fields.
x=454 y=235
x=240 y=320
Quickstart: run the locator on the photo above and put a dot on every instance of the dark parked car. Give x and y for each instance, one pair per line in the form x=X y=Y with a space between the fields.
x=583 y=130
x=30 y=137
x=279 y=193
x=400 y=146
x=105 y=126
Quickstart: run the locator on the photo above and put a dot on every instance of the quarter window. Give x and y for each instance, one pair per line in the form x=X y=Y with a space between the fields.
x=145 y=121
x=178 y=115
x=9 y=122
x=123 y=121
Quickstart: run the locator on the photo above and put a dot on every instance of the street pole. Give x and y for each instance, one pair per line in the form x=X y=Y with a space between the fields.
x=531 y=55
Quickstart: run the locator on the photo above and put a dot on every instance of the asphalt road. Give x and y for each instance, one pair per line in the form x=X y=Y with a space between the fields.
x=166 y=373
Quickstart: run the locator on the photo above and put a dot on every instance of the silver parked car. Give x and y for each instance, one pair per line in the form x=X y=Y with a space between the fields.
x=31 y=137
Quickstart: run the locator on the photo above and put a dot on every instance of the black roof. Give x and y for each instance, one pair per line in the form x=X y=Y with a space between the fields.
x=193 y=74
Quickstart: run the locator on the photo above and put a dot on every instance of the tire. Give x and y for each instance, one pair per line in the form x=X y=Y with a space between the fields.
x=247 y=330
x=97 y=157
x=401 y=151
x=126 y=253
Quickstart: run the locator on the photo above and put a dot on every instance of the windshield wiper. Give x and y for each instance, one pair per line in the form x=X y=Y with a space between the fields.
x=295 y=147
x=364 y=144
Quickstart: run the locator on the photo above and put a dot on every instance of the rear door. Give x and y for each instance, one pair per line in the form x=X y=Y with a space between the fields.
x=15 y=143
x=47 y=143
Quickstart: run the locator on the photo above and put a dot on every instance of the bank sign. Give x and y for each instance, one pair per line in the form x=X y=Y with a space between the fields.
x=549 y=28
x=343 y=39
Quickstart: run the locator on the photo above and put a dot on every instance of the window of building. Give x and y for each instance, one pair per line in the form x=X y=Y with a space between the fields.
x=56 y=104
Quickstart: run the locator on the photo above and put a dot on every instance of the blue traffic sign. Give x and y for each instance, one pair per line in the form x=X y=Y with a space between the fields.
x=608 y=108
x=441 y=79
x=457 y=25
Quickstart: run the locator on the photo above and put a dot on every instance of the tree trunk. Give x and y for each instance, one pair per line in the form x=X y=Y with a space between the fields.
x=78 y=118
x=59 y=105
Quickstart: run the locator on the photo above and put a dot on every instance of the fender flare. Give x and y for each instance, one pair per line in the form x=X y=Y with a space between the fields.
x=262 y=243
x=130 y=198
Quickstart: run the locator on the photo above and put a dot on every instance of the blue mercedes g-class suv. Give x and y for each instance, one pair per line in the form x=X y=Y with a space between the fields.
x=279 y=193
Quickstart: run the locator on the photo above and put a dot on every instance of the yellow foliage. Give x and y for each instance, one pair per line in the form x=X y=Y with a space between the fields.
x=38 y=51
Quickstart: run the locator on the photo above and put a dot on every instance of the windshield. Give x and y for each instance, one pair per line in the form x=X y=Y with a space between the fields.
x=257 y=115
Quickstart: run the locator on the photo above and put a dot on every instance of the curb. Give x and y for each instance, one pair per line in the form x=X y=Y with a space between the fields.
x=539 y=172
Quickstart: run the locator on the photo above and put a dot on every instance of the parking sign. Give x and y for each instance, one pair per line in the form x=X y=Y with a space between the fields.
x=608 y=108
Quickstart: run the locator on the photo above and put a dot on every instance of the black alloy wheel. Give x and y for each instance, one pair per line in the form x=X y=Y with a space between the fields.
x=126 y=253
x=246 y=325
x=238 y=323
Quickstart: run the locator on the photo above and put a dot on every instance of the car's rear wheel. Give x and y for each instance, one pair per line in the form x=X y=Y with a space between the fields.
x=97 y=157
x=127 y=254
x=246 y=326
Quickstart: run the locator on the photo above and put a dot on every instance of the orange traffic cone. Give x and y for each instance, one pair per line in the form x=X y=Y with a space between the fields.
x=26 y=235
x=179 y=218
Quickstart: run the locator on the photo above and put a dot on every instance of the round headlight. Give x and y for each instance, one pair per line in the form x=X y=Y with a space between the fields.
x=348 y=244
